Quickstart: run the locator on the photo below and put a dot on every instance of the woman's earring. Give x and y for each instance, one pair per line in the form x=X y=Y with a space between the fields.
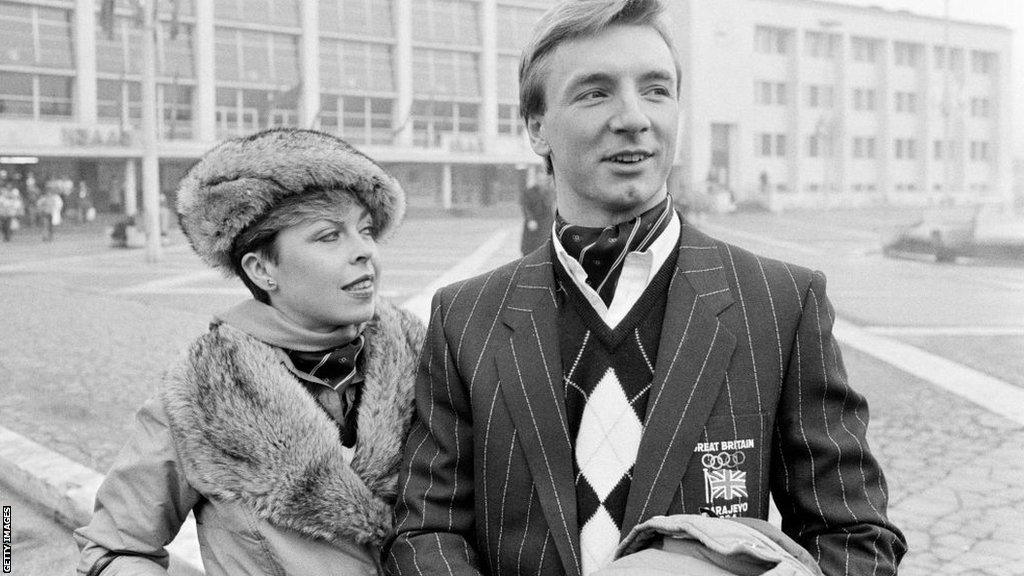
x=271 y=284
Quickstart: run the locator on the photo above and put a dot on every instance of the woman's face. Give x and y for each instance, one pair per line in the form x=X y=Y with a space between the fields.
x=326 y=271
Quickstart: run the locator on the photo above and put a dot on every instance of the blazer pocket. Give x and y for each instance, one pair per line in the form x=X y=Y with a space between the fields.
x=726 y=474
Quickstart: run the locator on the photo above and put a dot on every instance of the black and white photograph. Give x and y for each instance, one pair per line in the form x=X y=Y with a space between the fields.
x=512 y=287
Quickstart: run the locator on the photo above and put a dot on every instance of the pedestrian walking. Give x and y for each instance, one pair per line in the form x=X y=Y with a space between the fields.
x=50 y=205
x=32 y=193
x=635 y=367
x=538 y=206
x=11 y=208
x=282 y=427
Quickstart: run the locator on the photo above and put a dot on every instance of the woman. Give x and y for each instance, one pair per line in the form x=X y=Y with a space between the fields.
x=282 y=427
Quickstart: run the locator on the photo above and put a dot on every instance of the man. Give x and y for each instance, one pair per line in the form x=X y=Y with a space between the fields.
x=632 y=366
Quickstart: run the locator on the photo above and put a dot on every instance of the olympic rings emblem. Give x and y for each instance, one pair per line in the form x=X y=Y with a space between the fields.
x=723 y=460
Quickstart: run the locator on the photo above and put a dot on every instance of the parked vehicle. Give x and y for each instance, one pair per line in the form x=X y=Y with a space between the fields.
x=992 y=232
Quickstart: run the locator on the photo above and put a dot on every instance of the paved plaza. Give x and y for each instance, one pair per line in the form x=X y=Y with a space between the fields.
x=88 y=330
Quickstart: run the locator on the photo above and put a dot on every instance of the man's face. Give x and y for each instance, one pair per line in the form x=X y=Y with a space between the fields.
x=610 y=123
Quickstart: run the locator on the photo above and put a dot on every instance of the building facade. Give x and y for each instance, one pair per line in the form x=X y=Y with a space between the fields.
x=806 y=103
x=787 y=102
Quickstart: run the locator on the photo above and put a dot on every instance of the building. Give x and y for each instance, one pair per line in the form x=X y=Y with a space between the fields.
x=799 y=102
x=426 y=87
x=788 y=102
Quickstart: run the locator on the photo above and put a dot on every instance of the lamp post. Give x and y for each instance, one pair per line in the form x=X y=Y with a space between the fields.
x=150 y=162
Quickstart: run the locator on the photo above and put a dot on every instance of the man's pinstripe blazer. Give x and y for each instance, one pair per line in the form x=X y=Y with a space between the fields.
x=749 y=397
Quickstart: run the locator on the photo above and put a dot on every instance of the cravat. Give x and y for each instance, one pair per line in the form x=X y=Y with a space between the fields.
x=602 y=251
x=337 y=368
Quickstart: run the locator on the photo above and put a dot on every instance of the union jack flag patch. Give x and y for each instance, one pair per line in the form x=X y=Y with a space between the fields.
x=725 y=484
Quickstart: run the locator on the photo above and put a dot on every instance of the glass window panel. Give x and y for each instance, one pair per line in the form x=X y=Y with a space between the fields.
x=329 y=16
x=55 y=95
x=16 y=39
x=380 y=68
x=177 y=52
x=330 y=65
x=15 y=94
x=225 y=54
x=55 y=42
x=286 y=59
x=225 y=10
x=285 y=12
x=508 y=77
x=226 y=96
x=255 y=57
x=255 y=10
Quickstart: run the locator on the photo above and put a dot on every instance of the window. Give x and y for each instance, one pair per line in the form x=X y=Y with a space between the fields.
x=980 y=151
x=243 y=111
x=508 y=77
x=953 y=58
x=906 y=102
x=981 y=107
x=905 y=149
x=509 y=122
x=983 y=62
x=864 y=49
x=361 y=17
x=358 y=119
x=17 y=98
x=770 y=145
x=516 y=24
x=431 y=119
x=819 y=146
x=820 y=44
x=768 y=40
x=36 y=36
x=175 y=119
x=446 y=21
x=863 y=147
x=364 y=66
x=820 y=96
x=864 y=99
x=120 y=101
x=273 y=12
x=258 y=57
x=907 y=54
x=445 y=73
x=769 y=93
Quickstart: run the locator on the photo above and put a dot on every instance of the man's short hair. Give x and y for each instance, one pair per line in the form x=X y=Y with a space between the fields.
x=573 y=19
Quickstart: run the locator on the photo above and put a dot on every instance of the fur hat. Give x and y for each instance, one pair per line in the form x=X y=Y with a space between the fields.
x=242 y=179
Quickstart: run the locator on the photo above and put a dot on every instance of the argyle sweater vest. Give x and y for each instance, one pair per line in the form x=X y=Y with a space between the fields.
x=607 y=374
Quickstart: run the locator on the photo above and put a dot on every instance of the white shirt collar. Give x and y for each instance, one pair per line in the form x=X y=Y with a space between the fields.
x=638 y=270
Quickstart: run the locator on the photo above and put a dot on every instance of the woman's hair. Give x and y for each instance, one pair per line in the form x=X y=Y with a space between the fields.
x=260 y=236
x=574 y=19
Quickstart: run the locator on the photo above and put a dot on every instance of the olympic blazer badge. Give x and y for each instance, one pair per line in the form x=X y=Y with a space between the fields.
x=725 y=476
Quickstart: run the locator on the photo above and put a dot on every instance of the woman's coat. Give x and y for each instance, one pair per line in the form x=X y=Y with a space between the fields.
x=235 y=438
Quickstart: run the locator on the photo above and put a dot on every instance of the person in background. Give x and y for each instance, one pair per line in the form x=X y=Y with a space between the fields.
x=538 y=207
x=50 y=206
x=634 y=367
x=11 y=208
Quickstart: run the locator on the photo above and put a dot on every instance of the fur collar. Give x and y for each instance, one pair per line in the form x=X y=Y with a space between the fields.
x=246 y=430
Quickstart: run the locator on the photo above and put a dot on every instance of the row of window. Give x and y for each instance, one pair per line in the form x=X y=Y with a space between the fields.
x=863 y=99
x=871 y=187
x=816 y=44
x=775 y=145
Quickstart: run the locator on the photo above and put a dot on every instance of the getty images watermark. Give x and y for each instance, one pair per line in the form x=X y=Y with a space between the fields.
x=7 y=539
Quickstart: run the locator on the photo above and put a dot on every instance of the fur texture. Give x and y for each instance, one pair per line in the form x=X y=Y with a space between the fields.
x=246 y=430
x=241 y=179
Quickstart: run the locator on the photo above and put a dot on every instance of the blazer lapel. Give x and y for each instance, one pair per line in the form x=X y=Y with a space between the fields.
x=530 y=370
x=693 y=353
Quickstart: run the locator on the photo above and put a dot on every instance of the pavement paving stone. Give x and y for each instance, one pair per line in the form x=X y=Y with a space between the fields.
x=1000 y=356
